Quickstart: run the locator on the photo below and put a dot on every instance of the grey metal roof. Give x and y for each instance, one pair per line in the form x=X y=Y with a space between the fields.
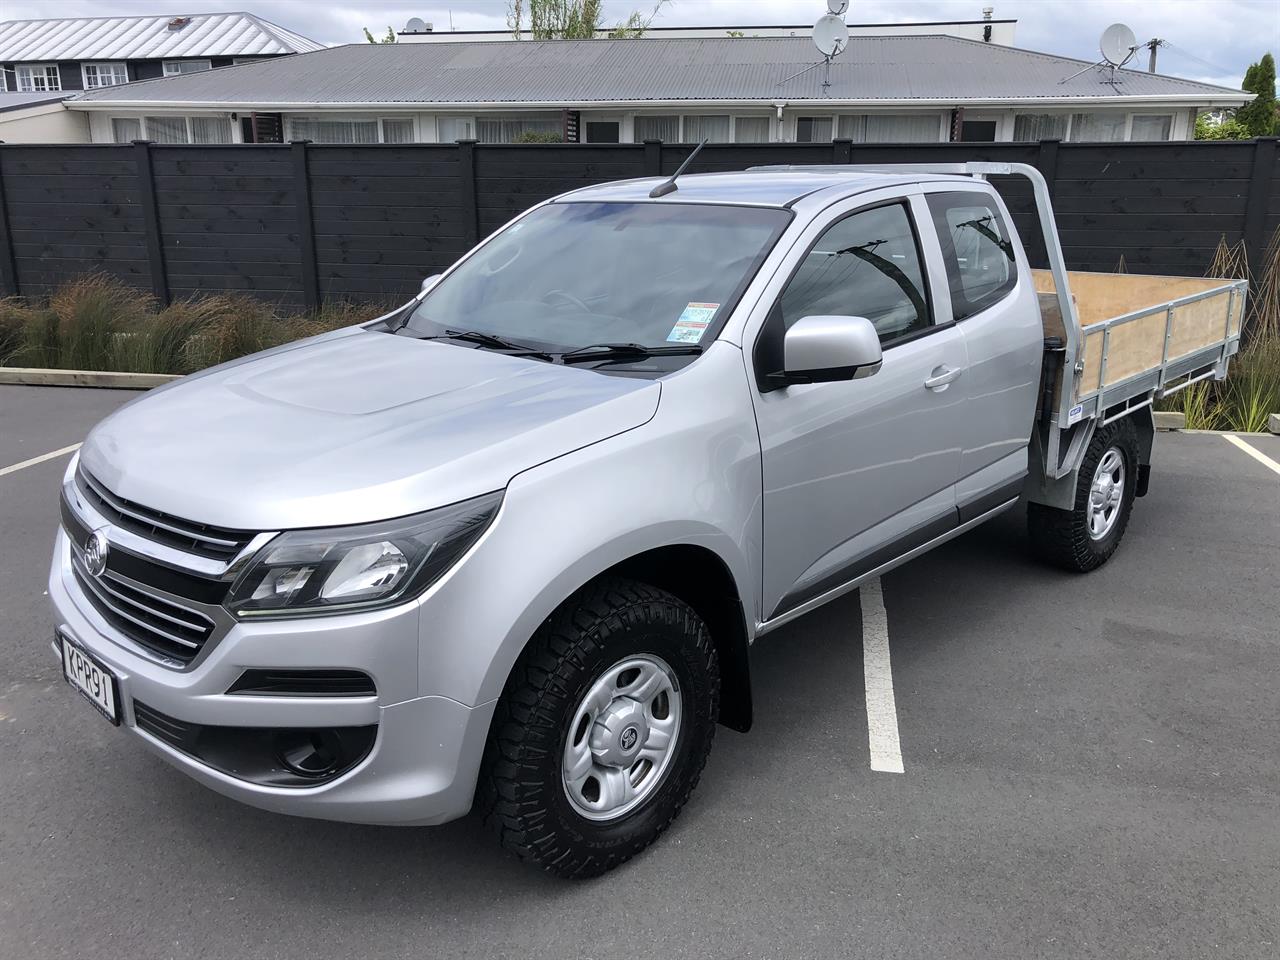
x=138 y=38
x=928 y=69
x=20 y=101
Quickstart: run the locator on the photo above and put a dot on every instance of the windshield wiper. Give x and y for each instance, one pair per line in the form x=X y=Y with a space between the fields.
x=490 y=340
x=627 y=351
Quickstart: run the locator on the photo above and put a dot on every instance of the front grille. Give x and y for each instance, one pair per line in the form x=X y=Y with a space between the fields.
x=159 y=624
x=201 y=539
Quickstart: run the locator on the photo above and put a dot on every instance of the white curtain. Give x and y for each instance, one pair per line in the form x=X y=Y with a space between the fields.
x=1039 y=126
x=397 y=131
x=449 y=129
x=1097 y=127
x=751 y=129
x=713 y=128
x=657 y=128
x=506 y=129
x=1155 y=127
x=210 y=130
x=126 y=129
x=167 y=129
x=891 y=128
x=333 y=131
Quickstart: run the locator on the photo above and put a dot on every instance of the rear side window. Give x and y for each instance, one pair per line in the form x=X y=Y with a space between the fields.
x=976 y=249
x=866 y=265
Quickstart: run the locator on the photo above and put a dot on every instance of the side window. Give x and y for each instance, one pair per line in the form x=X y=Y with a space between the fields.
x=976 y=249
x=866 y=265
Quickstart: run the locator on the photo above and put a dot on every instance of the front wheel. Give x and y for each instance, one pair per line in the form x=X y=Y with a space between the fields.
x=603 y=729
x=1084 y=537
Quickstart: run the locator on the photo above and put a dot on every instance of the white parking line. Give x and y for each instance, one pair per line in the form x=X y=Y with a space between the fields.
x=882 y=709
x=1258 y=455
x=40 y=459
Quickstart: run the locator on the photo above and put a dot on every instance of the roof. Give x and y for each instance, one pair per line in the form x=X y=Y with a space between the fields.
x=774 y=188
x=924 y=68
x=20 y=101
x=141 y=38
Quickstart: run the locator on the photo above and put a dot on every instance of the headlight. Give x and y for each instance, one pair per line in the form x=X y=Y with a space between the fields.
x=334 y=570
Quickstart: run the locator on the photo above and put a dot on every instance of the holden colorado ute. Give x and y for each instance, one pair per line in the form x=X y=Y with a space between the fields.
x=508 y=548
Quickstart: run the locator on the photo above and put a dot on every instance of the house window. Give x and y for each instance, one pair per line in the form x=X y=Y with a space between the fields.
x=104 y=75
x=890 y=128
x=171 y=129
x=174 y=67
x=38 y=79
x=451 y=129
x=512 y=129
x=1151 y=127
x=813 y=129
x=1039 y=126
x=750 y=129
x=397 y=130
x=1097 y=127
x=126 y=129
x=323 y=130
x=656 y=128
x=713 y=128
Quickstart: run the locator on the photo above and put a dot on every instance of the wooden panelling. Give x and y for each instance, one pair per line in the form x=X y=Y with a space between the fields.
x=384 y=215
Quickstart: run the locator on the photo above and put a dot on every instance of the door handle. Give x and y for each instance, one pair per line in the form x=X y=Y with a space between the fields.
x=941 y=376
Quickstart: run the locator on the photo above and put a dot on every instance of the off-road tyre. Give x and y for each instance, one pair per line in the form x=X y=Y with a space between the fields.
x=521 y=794
x=1061 y=537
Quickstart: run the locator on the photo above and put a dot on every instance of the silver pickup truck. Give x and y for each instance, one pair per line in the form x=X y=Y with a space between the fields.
x=509 y=546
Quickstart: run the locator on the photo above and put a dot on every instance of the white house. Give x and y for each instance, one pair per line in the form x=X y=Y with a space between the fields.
x=728 y=89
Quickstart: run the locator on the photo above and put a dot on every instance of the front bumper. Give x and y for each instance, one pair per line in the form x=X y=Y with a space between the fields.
x=425 y=758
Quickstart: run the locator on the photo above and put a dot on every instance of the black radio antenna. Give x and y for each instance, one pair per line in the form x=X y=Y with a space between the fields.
x=669 y=185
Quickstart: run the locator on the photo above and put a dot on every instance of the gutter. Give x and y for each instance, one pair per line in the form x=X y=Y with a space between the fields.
x=1180 y=100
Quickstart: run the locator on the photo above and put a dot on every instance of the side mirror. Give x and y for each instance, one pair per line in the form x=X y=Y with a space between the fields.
x=429 y=282
x=826 y=349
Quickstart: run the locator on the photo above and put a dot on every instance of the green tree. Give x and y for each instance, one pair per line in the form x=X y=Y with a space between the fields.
x=572 y=20
x=1259 y=116
x=1226 y=128
x=389 y=38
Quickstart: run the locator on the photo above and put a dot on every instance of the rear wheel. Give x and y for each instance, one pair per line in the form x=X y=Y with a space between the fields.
x=603 y=729
x=1084 y=537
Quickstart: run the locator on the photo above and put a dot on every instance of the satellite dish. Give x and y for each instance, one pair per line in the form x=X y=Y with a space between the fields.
x=830 y=35
x=1117 y=44
x=415 y=25
x=837 y=7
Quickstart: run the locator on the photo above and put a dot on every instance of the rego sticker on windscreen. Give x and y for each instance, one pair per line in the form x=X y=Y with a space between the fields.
x=692 y=323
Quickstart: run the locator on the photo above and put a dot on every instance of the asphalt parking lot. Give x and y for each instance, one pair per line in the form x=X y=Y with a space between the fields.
x=1090 y=769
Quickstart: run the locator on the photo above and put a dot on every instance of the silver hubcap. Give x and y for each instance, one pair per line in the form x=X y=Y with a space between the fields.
x=621 y=738
x=1106 y=493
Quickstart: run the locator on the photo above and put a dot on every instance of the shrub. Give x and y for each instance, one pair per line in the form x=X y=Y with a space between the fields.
x=99 y=323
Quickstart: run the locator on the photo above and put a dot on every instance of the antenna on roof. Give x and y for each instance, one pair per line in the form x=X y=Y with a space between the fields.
x=830 y=36
x=669 y=185
x=1117 y=45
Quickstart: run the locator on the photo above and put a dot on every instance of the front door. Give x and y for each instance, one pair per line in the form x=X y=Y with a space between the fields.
x=858 y=472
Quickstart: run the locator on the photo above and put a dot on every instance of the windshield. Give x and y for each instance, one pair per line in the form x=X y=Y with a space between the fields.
x=571 y=275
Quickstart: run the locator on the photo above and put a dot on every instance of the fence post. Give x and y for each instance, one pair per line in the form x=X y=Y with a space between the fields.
x=1047 y=164
x=653 y=158
x=306 y=226
x=842 y=151
x=8 y=261
x=470 y=195
x=151 y=217
x=1255 y=211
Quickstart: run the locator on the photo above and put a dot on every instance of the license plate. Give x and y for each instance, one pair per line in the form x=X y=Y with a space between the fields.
x=95 y=682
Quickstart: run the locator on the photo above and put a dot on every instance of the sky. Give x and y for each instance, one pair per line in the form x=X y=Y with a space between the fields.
x=1210 y=40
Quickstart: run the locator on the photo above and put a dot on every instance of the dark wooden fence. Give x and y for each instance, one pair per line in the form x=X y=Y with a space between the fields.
x=302 y=223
